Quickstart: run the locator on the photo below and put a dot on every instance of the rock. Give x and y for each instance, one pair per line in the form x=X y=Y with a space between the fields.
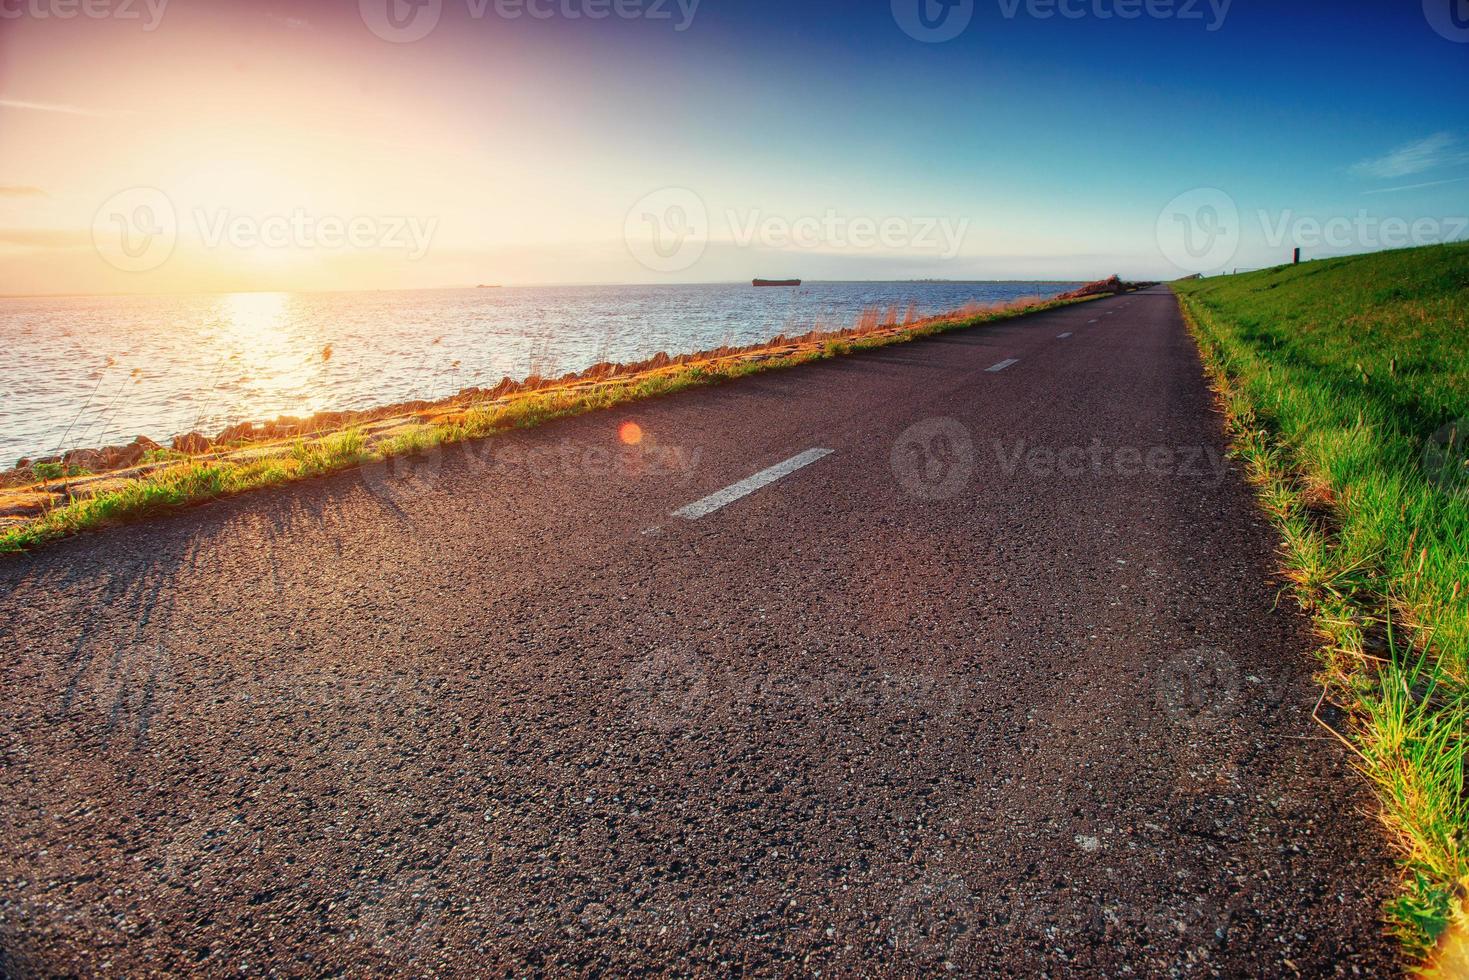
x=192 y=443
x=237 y=433
x=122 y=457
x=327 y=421
x=22 y=464
x=91 y=460
x=1098 y=288
x=1113 y=285
x=284 y=425
x=148 y=445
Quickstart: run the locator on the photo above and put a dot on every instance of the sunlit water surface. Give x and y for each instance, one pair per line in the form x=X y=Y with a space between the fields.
x=93 y=371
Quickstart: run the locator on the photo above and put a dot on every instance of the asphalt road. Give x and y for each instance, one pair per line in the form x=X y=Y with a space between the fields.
x=996 y=682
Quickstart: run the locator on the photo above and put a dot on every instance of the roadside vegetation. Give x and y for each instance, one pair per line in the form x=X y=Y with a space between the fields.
x=181 y=480
x=1346 y=387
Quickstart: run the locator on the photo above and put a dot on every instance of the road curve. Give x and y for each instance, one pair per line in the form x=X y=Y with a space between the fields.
x=901 y=662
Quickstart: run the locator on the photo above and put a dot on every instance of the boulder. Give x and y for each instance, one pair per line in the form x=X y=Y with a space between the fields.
x=1101 y=287
x=122 y=457
x=243 y=432
x=193 y=443
x=323 y=421
x=91 y=460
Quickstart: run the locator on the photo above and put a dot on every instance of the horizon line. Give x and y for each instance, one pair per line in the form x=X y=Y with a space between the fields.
x=538 y=285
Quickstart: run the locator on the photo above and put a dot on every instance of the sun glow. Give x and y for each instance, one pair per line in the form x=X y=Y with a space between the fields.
x=256 y=319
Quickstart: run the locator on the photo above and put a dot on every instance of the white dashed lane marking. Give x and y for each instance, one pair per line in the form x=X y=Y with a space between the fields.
x=747 y=486
x=1002 y=365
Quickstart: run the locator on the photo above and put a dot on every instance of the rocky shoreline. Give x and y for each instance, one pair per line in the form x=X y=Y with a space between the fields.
x=1112 y=286
x=34 y=485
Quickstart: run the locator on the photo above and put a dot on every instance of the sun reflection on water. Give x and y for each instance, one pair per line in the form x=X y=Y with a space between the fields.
x=90 y=371
x=271 y=361
x=255 y=317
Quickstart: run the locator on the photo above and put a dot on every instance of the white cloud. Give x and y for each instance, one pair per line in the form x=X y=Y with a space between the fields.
x=1421 y=156
x=68 y=110
x=1418 y=187
x=294 y=23
x=44 y=238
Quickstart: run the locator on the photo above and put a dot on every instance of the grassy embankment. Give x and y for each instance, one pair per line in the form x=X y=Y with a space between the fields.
x=1343 y=380
x=193 y=481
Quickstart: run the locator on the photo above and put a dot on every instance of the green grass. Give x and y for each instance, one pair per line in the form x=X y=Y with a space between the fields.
x=1343 y=381
x=189 y=481
x=49 y=472
x=337 y=451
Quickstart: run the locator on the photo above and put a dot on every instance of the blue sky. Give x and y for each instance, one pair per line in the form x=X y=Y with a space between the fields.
x=1090 y=124
x=779 y=135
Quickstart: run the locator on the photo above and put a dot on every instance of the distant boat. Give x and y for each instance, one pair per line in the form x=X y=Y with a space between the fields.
x=777 y=282
x=483 y=286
